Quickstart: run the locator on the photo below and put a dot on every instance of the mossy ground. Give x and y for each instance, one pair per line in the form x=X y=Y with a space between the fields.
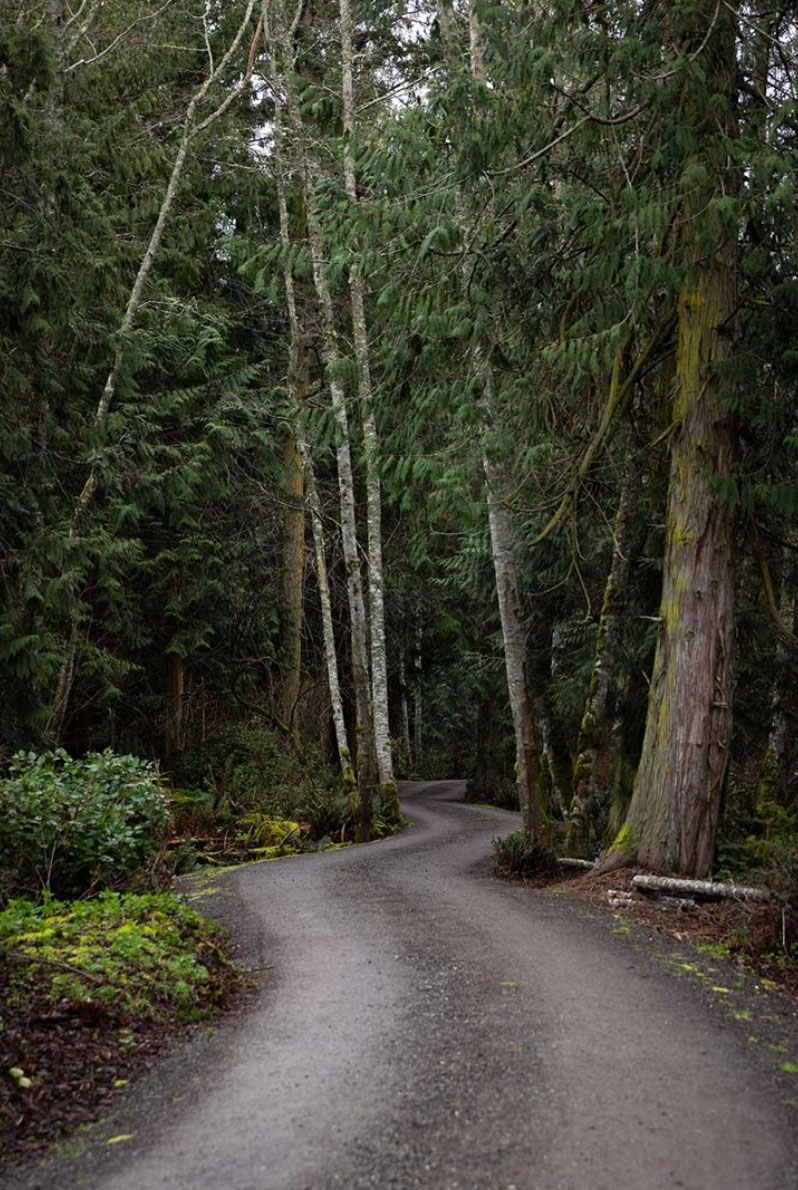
x=90 y=992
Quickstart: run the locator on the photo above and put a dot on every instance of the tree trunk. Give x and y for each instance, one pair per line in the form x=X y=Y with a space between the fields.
x=175 y=705
x=773 y=781
x=292 y=576
x=528 y=769
x=527 y=757
x=595 y=730
x=675 y=808
x=296 y=392
x=418 y=709
x=346 y=486
x=407 y=752
x=330 y=656
x=379 y=663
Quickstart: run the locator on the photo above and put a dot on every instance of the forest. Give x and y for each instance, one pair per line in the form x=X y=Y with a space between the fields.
x=394 y=390
x=399 y=399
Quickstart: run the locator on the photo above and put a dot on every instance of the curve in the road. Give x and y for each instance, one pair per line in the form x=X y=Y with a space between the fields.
x=425 y=1025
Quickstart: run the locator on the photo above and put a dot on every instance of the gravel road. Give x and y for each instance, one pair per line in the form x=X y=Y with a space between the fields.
x=425 y=1025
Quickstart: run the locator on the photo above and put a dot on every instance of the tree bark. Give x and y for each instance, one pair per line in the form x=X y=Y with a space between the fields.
x=507 y=590
x=407 y=751
x=331 y=358
x=418 y=706
x=379 y=661
x=346 y=486
x=175 y=695
x=330 y=655
x=673 y=818
x=527 y=764
x=773 y=780
x=292 y=572
x=296 y=392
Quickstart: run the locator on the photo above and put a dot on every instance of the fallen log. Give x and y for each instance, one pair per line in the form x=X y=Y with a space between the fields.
x=568 y=862
x=709 y=890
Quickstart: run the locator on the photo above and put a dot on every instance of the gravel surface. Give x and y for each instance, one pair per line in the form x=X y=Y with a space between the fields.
x=422 y=1024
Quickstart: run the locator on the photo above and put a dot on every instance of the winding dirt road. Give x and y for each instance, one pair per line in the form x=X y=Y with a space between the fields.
x=425 y=1025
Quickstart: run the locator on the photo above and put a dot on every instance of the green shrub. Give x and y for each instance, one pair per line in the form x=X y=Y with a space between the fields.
x=503 y=792
x=70 y=826
x=514 y=855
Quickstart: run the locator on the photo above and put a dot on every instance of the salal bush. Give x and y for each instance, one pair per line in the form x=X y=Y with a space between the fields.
x=71 y=826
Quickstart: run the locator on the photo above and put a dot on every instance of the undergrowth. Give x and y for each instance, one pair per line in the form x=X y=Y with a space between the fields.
x=148 y=956
x=515 y=856
x=71 y=826
x=246 y=795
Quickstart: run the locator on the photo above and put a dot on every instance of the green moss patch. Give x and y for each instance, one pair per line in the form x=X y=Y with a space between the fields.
x=142 y=954
x=90 y=992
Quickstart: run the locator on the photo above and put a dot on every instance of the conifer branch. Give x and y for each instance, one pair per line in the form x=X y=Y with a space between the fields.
x=616 y=400
x=590 y=118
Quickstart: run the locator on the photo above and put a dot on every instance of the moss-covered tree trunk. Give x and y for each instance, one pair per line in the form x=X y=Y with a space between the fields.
x=595 y=730
x=673 y=818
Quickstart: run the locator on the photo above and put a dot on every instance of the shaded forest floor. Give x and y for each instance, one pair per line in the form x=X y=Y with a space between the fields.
x=81 y=1055
x=750 y=934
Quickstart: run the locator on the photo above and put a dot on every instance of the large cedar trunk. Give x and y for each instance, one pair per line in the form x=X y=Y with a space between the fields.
x=675 y=807
x=676 y=801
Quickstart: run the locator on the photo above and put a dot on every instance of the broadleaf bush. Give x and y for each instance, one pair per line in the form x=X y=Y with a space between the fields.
x=69 y=826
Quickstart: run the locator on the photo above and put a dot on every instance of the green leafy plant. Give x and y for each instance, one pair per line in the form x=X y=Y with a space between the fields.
x=145 y=954
x=70 y=826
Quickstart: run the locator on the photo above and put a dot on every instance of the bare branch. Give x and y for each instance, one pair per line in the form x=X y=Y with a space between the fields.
x=120 y=37
x=615 y=401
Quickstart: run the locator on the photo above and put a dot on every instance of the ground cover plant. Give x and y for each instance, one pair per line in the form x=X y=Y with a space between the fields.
x=90 y=992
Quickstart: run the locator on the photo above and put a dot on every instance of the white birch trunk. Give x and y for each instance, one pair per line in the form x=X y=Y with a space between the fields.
x=379 y=663
x=331 y=358
x=527 y=763
x=330 y=656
